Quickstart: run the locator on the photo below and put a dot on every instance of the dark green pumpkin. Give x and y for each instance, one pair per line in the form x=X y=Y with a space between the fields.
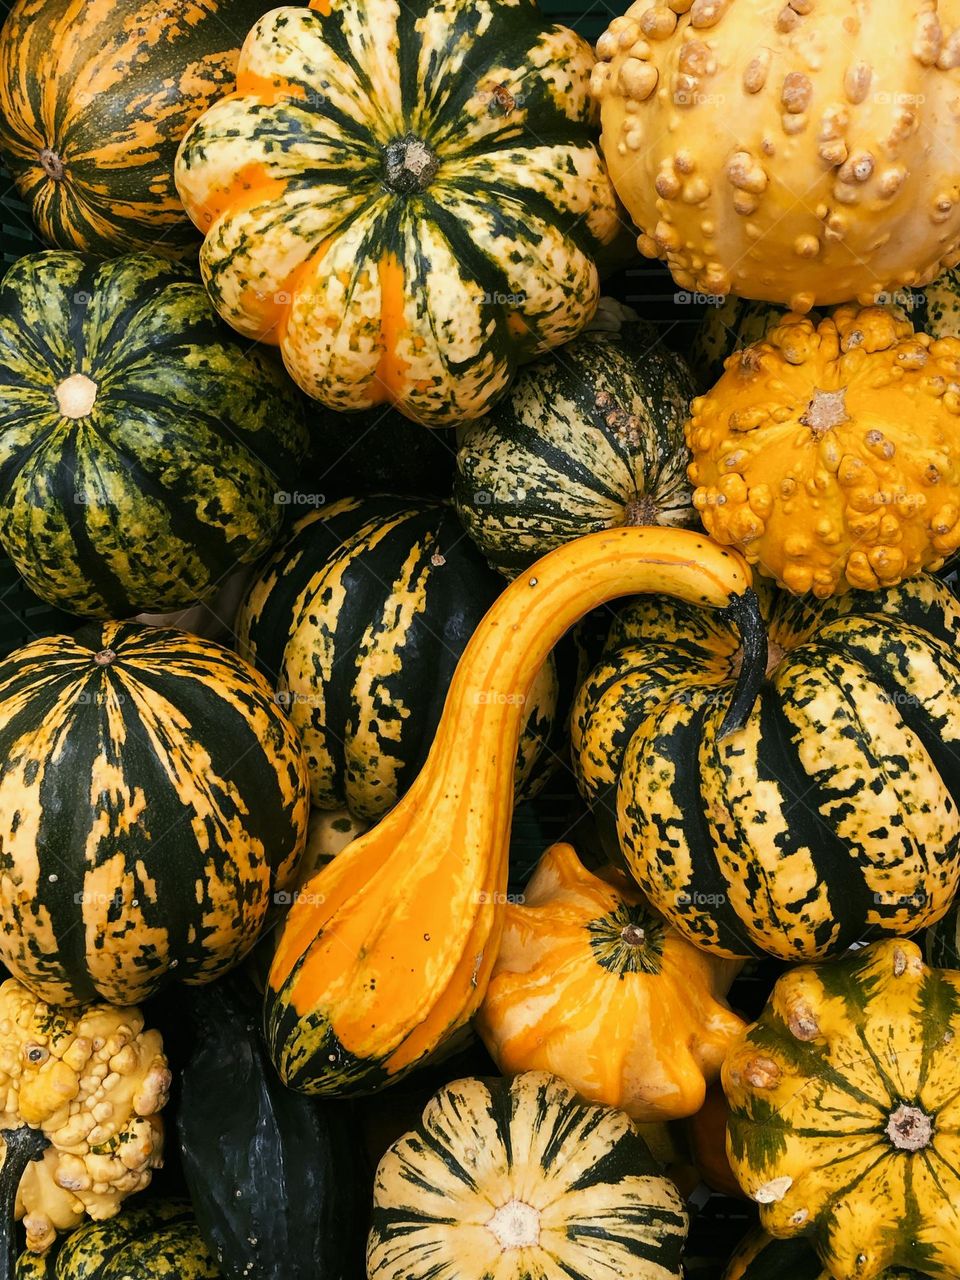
x=274 y=1176
x=153 y=797
x=144 y=449
x=359 y=620
x=831 y=815
x=588 y=437
x=128 y=78
x=155 y=1240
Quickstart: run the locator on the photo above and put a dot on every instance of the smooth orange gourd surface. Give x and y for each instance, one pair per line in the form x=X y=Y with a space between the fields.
x=388 y=950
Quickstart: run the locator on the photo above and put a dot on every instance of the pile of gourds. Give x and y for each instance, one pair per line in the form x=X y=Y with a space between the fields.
x=313 y=417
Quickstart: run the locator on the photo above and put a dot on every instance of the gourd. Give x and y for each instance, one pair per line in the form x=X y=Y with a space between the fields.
x=588 y=437
x=726 y=328
x=128 y=77
x=593 y=986
x=153 y=798
x=80 y=1122
x=829 y=453
x=843 y=1104
x=272 y=1175
x=358 y=619
x=406 y=230
x=157 y=1240
x=144 y=449
x=825 y=187
x=859 y=714
x=518 y=1179
x=761 y=1257
x=389 y=950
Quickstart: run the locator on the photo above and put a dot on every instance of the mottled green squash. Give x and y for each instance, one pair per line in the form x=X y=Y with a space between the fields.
x=144 y=451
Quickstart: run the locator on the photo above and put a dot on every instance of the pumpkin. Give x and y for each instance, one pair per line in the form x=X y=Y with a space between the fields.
x=158 y=1240
x=833 y=812
x=824 y=186
x=829 y=453
x=761 y=1257
x=520 y=1179
x=272 y=1175
x=935 y=309
x=388 y=951
x=94 y=100
x=843 y=1101
x=80 y=1123
x=359 y=619
x=144 y=451
x=593 y=986
x=589 y=437
x=153 y=797
x=406 y=201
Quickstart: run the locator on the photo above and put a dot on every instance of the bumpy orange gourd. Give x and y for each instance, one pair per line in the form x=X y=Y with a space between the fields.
x=388 y=950
x=830 y=454
x=594 y=986
x=797 y=151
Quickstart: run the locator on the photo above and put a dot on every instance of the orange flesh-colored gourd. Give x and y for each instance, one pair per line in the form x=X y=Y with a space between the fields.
x=388 y=950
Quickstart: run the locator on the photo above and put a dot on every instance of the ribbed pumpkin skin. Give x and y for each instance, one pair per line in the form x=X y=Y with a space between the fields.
x=157 y=1241
x=151 y=803
x=843 y=1112
x=761 y=1257
x=525 y=1160
x=101 y=93
x=142 y=447
x=859 y=716
x=359 y=620
x=407 y=198
x=587 y=438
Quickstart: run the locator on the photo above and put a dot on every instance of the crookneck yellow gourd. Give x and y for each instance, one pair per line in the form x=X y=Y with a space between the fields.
x=388 y=950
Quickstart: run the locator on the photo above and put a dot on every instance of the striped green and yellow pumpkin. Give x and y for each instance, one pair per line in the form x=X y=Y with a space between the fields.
x=762 y=1257
x=407 y=198
x=523 y=1181
x=359 y=620
x=153 y=797
x=144 y=450
x=588 y=437
x=831 y=815
x=94 y=99
x=158 y=1240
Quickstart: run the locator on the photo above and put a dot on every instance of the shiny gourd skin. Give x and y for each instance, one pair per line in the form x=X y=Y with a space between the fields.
x=830 y=453
x=522 y=1180
x=408 y=201
x=843 y=1102
x=153 y=798
x=593 y=986
x=761 y=1257
x=835 y=179
x=390 y=949
x=859 y=714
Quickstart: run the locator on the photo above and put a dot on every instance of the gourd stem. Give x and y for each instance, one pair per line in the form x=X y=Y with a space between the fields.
x=22 y=1146
x=744 y=612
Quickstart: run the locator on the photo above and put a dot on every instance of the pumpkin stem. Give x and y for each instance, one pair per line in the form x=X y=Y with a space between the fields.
x=909 y=1128
x=52 y=165
x=410 y=166
x=827 y=409
x=21 y=1147
x=744 y=611
x=516 y=1225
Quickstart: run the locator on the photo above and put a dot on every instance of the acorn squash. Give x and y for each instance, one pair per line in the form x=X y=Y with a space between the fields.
x=520 y=1179
x=761 y=1257
x=831 y=816
x=843 y=1112
x=388 y=951
x=593 y=986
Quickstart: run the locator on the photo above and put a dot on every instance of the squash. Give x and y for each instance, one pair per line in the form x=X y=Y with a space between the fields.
x=588 y=437
x=761 y=1257
x=153 y=797
x=829 y=454
x=825 y=186
x=80 y=1121
x=94 y=99
x=389 y=950
x=144 y=450
x=843 y=1101
x=935 y=309
x=408 y=202
x=859 y=715
x=359 y=619
x=158 y=1240
x=272 y=1175
x=726 y=328
x=520 y=1179
x=593 y=986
